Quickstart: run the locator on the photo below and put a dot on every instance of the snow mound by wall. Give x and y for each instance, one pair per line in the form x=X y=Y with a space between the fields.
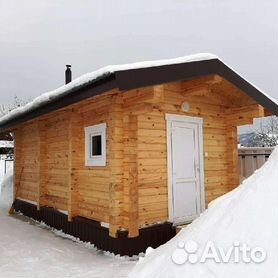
x=6 y=190
x=247 y=215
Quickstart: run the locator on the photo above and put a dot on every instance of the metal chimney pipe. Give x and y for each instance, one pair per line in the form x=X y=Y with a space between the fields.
x=68 y=74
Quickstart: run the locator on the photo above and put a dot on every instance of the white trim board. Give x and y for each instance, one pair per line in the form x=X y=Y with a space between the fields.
x=183 y=118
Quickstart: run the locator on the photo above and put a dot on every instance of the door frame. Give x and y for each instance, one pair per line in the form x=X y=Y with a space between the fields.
x=199 y=122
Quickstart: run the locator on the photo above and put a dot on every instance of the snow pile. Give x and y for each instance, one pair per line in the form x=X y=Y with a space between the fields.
x=246 y=216
x=6 y=190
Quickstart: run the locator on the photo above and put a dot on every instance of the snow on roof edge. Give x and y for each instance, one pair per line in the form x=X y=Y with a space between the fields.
x=96 y=75
x=102 y=73
x=251 y=83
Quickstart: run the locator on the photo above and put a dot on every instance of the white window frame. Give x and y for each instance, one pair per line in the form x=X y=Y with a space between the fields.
x=90 y=131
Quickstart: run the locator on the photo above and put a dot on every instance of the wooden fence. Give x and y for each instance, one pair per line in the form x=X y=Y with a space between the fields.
x=251 y=159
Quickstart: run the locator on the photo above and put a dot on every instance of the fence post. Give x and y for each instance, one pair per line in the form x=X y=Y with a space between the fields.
x=252 y=158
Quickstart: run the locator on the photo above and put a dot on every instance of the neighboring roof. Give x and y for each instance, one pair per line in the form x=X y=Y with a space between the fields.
x=6 y=144
x=6 y=147
x=7 y=136
x=131 y=76
x=6 y=150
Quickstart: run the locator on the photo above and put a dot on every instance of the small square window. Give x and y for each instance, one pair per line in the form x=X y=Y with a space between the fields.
x=95 y=145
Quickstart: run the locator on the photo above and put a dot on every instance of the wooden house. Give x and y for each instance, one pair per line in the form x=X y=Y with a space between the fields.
x=120 y=156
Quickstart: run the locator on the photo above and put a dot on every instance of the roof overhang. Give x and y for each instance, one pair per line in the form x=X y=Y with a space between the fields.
x=128 y=79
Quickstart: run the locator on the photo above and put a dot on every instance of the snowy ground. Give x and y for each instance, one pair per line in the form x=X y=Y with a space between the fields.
x=9 y=166
x=30 y=250
x=237 y=237
x=246 y=217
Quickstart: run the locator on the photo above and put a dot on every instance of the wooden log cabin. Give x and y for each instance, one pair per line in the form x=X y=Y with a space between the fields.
x=121 y=156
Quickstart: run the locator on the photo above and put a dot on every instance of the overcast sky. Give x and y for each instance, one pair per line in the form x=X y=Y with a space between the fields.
x=38 y=37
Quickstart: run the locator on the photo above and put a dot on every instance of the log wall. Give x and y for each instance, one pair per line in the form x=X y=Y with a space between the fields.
x=27 y=164
x=131 y=190
x=55 y=137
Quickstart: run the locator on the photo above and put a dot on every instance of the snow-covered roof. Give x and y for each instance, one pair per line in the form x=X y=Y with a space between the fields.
x=6 y=144
x=103 y=73
x=96 y=75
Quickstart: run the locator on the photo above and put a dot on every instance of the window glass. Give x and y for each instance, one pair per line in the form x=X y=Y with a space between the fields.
x=96 y=145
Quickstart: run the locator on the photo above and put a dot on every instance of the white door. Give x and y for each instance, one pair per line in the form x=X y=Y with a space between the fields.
x=185 y=168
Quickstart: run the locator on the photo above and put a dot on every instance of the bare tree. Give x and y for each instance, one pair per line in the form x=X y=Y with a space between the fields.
x=6 y=138
x=267 y=135
x=17 y=102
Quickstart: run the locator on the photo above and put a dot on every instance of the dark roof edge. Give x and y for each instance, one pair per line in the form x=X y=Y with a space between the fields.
x=77 y=94
x=135 y=78
x=248 y=88
x=142 y=77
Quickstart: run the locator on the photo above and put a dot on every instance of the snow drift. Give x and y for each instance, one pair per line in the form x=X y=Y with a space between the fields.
x=248 y=215
x=6 y=190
